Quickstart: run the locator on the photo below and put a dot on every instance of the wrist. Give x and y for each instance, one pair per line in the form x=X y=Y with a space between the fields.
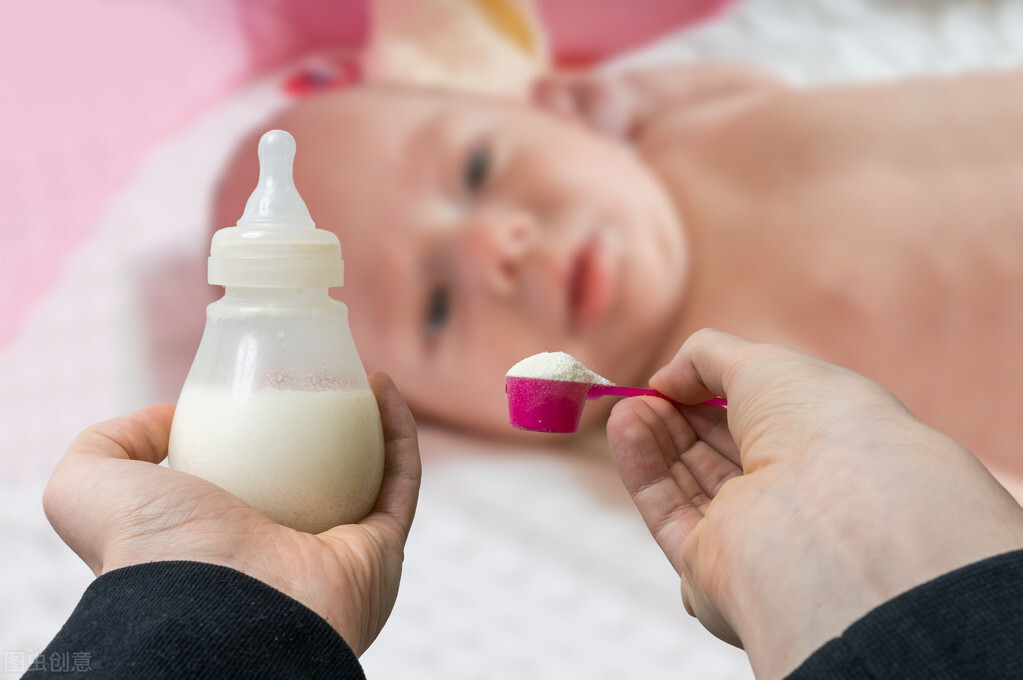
x=202 y=610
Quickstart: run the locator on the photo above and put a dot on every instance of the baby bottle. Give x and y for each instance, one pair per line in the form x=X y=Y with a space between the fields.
x=277 y=408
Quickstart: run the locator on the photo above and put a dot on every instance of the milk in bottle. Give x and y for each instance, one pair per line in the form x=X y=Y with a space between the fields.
x=277 y=408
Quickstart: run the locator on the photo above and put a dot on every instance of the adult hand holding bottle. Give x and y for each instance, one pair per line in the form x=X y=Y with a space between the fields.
x=112 y=503
x=814 y=499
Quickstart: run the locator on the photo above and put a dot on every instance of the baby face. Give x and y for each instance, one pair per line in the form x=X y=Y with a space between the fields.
x=478 y=232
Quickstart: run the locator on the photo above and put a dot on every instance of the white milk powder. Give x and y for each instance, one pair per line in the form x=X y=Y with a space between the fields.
x=556 y=366
x=309 y=459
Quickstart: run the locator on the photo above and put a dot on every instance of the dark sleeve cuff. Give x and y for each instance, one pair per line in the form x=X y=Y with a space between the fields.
x=194 y=620
x=965 y=624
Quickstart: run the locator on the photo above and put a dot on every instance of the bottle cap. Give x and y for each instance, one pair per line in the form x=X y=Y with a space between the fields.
x=276 y=243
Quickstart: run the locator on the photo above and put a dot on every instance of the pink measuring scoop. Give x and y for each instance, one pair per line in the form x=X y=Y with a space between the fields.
x=545 y=405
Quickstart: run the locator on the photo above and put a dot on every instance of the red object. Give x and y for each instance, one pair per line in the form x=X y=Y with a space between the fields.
x=548 y=405
x=322 y=76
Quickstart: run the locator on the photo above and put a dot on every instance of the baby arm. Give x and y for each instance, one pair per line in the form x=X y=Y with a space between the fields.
x=625 y=104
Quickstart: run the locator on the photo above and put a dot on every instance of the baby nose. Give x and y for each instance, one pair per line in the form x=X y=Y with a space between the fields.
x=499 y=242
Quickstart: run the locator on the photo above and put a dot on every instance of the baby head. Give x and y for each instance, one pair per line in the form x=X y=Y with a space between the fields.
x=476 y=232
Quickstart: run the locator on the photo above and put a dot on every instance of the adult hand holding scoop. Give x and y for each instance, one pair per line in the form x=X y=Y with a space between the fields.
x=547 y=392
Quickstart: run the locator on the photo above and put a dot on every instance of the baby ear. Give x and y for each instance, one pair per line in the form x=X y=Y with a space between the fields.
x=598 y=101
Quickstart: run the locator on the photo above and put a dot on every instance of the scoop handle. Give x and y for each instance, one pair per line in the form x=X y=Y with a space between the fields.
x=597 y=391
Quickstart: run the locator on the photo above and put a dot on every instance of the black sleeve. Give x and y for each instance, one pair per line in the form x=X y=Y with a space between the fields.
x=965 y=624
x=193 y=620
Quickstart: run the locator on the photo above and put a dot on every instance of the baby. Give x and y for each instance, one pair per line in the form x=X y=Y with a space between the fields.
x=877 y=226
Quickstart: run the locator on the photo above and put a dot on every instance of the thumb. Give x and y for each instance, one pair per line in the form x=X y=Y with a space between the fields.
x=90 y=478
x=399 y=491
x=767 y=386
x=704 y=367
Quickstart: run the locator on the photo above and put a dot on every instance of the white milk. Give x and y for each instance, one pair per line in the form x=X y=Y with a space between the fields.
x=306 y=459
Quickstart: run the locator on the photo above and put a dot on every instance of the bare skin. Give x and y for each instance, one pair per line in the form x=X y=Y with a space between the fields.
x=875 y=226
x=880 y=228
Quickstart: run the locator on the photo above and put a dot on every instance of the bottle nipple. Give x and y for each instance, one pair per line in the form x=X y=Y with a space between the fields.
x=275 y=201
x=276 y=243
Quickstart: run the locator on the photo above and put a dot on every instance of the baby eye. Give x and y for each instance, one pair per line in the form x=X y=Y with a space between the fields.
x=477 y=168
x=438 y=309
